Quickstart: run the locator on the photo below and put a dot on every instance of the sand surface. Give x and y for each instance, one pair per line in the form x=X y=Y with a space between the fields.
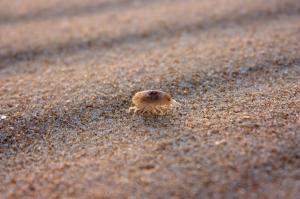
x=68 y=70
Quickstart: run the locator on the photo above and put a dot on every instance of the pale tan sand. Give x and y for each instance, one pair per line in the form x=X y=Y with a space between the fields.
x=68 y=72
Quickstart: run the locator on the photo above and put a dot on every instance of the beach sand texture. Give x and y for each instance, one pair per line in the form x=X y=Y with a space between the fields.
x=68 y=70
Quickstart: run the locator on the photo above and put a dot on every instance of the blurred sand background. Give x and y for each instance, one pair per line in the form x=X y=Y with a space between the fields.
x=68 y=70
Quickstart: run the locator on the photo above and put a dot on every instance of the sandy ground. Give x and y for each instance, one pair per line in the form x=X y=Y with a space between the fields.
x=68 y=70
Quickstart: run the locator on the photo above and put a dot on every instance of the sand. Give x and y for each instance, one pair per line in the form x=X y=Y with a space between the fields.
x=68 y=70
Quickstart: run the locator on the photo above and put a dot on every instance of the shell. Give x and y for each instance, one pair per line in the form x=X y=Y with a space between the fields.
x=152 y=102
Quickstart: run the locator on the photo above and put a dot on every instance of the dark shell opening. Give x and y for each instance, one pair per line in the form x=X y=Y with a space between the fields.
x=154 y=95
